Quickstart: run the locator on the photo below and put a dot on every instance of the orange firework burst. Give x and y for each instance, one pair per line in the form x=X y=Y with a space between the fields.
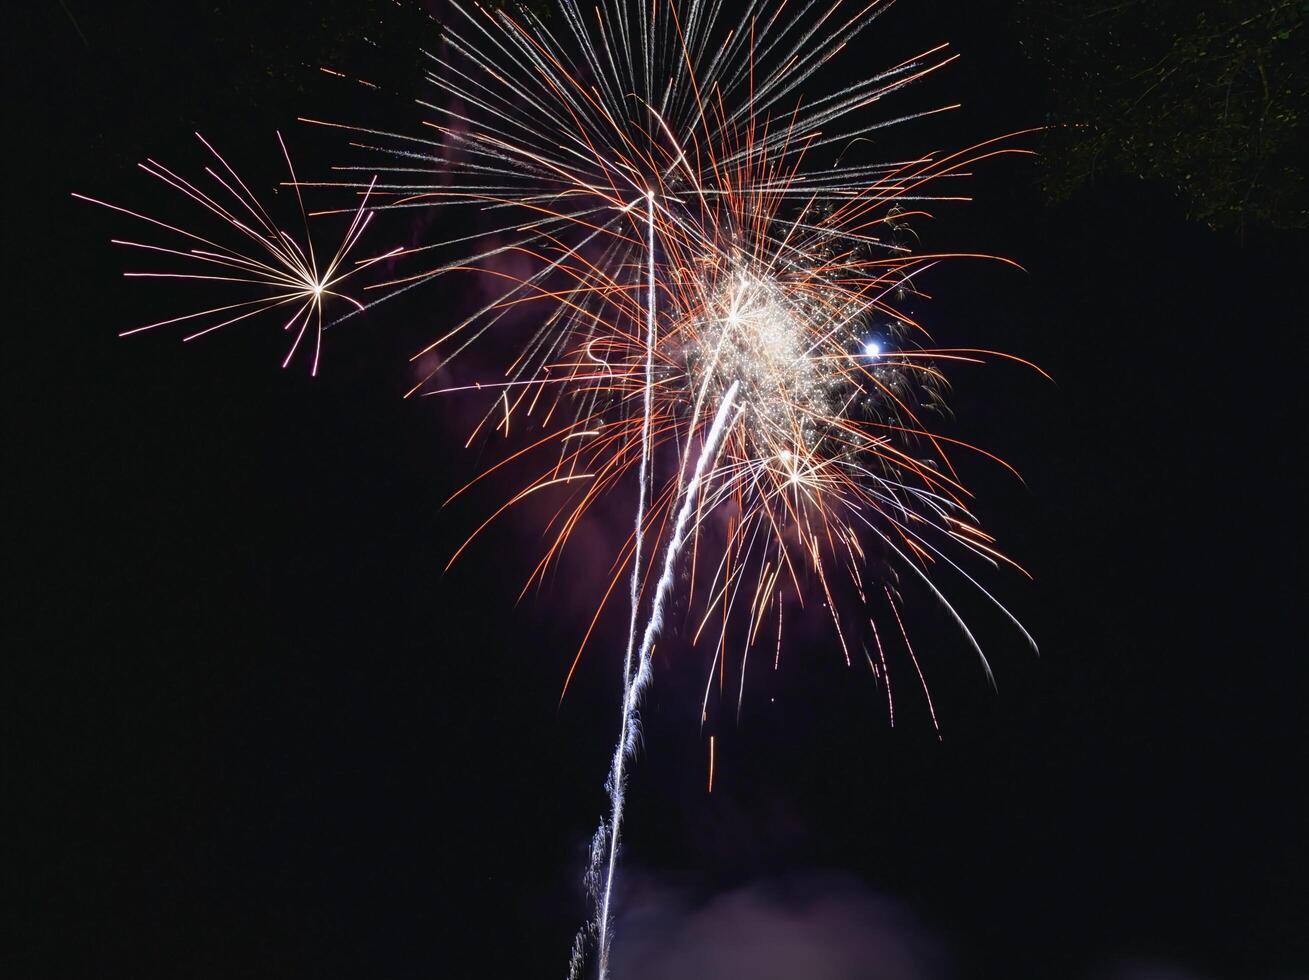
x=698 y=203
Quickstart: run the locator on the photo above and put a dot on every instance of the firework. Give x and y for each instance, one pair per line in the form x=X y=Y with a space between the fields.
x=716 y=290
x=255 y=256
x=656 y=171
x=695 y=240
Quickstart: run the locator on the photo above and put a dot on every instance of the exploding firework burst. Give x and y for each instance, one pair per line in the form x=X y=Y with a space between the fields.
x=254 y=256
x=657 y=166
x=718 y=302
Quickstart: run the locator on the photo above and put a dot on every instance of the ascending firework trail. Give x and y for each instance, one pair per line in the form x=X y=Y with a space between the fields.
x=636 y=683
x=615 y=782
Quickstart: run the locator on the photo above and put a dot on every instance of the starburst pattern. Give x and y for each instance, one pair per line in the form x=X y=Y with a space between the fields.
x=254 y=256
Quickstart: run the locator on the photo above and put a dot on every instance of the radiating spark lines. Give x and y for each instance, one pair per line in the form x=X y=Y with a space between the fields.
x=259 y=257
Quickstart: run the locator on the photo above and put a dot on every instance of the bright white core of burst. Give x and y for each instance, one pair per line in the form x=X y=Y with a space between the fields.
x=756 y=336
x=872 y=349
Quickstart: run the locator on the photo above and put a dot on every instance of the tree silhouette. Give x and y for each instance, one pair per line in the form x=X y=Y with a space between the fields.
x=1208 y=99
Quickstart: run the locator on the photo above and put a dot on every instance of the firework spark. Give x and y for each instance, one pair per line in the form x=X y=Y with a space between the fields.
x=260 y=257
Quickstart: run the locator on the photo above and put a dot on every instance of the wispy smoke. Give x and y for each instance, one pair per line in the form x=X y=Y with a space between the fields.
x=811 y=926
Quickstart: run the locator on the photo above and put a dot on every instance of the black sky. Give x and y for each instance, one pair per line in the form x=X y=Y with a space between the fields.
x=254 y=731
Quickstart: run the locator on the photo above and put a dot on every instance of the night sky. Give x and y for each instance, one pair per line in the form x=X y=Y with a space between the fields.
x=254 y=731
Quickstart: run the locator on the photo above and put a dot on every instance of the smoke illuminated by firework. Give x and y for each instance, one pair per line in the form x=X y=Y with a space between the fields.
x=264 y=259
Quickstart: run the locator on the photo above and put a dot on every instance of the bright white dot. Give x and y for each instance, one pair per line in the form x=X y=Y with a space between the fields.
x=872 y=348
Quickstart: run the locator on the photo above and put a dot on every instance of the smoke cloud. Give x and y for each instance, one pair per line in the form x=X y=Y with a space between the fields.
x=814 y=926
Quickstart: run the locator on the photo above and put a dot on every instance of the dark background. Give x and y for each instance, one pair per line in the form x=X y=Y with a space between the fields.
x=254 y=731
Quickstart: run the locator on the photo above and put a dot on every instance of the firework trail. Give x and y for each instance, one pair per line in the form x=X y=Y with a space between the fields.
x=636 y=684
x=265 y=258
x=632 y=685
